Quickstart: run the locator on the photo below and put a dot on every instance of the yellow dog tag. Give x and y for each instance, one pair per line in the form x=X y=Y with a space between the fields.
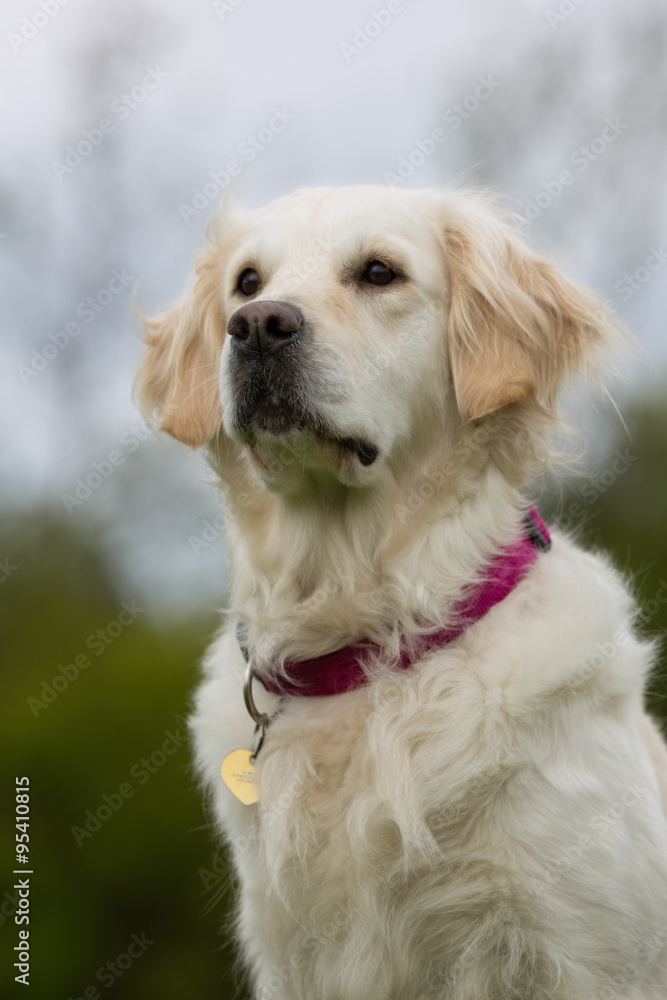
x=238 y=773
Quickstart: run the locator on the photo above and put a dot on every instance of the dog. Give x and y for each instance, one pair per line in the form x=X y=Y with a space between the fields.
x=439 y=777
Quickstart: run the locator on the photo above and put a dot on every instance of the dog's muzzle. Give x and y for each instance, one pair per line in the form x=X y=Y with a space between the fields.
x=272 y=371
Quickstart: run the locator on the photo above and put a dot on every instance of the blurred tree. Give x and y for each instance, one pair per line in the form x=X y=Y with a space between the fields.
x=150 y=865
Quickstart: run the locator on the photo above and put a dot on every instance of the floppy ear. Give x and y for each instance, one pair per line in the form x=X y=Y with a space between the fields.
x=177 y=377
x=517 y=326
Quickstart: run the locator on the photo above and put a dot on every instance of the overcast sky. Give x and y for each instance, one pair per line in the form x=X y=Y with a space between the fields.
x=160 y=97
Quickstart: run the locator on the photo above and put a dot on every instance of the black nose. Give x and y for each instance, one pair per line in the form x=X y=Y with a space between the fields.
x=264 y=327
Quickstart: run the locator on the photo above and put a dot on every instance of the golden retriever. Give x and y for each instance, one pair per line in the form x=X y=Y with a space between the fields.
x=460 y=793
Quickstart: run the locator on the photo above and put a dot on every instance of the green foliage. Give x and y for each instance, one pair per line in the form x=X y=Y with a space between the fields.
x=153 y=866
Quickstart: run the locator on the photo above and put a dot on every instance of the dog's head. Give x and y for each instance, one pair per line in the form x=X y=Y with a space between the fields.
x=346 y=327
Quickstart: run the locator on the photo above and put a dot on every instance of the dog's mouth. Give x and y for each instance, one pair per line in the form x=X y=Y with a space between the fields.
x=275 y=402
x=278 y=414
x=364 y=450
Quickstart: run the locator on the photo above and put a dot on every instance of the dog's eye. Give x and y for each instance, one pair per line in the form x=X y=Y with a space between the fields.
x=248 y=282
x=377 y=273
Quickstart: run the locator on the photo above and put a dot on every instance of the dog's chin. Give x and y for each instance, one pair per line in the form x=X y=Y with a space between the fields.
x=281 y=436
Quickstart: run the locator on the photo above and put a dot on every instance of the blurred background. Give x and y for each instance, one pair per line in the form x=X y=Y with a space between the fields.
x=120 y=122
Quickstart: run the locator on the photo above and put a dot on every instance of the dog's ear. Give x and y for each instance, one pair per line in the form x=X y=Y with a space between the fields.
x=177 y=377
x=517 y=326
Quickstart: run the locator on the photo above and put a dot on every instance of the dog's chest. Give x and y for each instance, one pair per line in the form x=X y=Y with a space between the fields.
x=423 y=819
x=374 y=789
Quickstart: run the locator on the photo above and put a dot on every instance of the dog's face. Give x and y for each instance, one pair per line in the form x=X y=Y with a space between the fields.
x=335 y=304
x=339 y=328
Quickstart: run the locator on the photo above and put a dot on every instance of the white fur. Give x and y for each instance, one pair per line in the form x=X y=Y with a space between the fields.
x=459 y=830
x=488 y=823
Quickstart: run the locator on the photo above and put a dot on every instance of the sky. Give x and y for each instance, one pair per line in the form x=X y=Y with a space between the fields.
x=124 y=121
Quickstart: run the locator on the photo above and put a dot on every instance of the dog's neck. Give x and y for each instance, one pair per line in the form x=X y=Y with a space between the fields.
x=315 y=570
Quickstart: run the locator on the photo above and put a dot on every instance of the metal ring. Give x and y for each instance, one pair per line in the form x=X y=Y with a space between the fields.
x=258 y=717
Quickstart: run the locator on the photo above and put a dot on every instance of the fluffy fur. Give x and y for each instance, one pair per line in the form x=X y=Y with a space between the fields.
x=489 y=823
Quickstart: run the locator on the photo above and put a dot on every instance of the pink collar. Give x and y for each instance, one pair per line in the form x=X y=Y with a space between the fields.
x=343 y=669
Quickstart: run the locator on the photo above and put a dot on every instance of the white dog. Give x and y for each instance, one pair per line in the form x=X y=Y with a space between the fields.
x=460 y=794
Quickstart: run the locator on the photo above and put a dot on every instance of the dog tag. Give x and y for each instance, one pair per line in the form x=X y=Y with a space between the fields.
x=238 y=773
